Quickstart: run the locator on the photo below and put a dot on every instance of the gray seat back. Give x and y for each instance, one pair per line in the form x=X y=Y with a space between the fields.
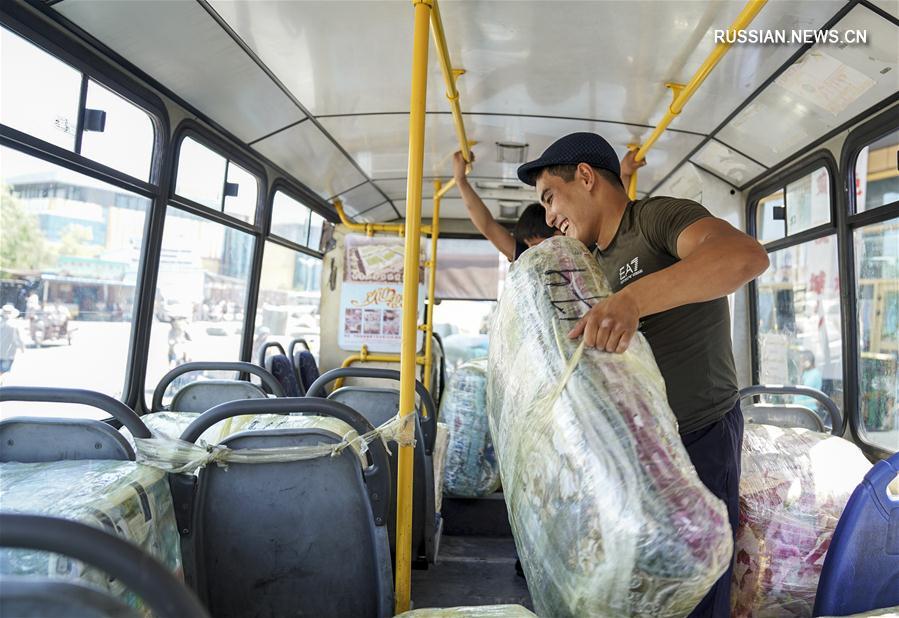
x=379 y=405
x=40 y=597
x=200 y=396
x=789 y=414
x=203 y=395
x=301 y=538
x=41 y=439
x=165 y=595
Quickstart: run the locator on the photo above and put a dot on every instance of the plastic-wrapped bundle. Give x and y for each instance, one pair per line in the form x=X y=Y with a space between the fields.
x=124 y=498
x=794 y=486
x=485 y=611
x=608 y=514
x=471 y=468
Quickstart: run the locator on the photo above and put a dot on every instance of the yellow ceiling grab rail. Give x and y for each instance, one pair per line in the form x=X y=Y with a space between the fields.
x=369 y=229
x=449 y=76
x=682 y=93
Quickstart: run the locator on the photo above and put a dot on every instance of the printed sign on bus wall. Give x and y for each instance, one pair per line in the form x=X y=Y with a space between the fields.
x=371 y=299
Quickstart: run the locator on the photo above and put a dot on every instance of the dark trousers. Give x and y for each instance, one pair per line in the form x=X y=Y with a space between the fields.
x=715 y=453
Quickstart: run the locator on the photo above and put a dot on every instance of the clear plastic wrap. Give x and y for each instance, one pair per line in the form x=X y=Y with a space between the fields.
x=608 y=514
x=471 y=467
x=439 y=457
x=794 y=486
x=485 y=611
x=124 y=498
x=179 y=456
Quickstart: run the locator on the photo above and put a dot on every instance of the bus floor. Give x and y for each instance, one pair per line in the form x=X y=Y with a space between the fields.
x=476 y=561
x=471 y=571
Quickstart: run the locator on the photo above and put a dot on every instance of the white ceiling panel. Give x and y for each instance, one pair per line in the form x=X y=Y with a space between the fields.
x=727 y=163
x=197 y=60
x=378 y=143
x=304 y=151
x=451 y=208
x=513 y=57
x=828 y=86
x=361 y=198
x=376 y=215
x=890 y=6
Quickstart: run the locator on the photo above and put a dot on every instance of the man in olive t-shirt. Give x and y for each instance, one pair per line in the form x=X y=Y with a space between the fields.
x=671 y=265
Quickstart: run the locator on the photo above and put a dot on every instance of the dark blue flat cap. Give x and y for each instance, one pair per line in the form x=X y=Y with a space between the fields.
x=572 y=149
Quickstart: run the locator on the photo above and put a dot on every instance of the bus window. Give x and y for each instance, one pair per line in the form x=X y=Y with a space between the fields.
x=289 y=298
x=877 y=298
x=771 y=219
x=877 y=173
x=125 y=140
x=808 y=201
x=241 y=193
x=316 y=223
x=69 y=258
x=290 y=219
x=201 y=174
x=201 y=293
x=799 y=332
x=40 y=94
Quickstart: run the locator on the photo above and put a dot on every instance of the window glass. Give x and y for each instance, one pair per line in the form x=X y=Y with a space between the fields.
x=771 y=221
x=39 y=94
x=201 y=174
x=315 y=231
x=877 y=173
x=290 y=219
x=463 y=328
x=200 y=295
x=69 y=253
x=808 y=201
x=289 y=299
x=126 y=142
x=877 y=297
x=243 y=204
x=799 y=322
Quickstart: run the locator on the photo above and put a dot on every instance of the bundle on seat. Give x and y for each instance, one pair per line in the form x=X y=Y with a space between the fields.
x=471 y=468
x=608 y=514
x=794 y=485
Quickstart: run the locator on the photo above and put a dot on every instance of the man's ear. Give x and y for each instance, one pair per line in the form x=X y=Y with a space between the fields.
x=586 y=174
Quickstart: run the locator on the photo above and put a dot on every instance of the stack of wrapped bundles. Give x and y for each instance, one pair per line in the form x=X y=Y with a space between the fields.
x=484 y=611
x=121 y=497
x=608 y=514
x=471 y=468
x=794 y=486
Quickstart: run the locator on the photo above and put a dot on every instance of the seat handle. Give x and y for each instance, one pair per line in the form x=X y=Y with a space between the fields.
x=267 y=378
x=778 y=389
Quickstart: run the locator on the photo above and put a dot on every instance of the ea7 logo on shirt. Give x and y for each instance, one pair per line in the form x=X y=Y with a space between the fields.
x=629 y=271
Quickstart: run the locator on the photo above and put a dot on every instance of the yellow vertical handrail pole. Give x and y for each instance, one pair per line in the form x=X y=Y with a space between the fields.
x=410 y=297
x=449 y=76
x=682 y=93
x=432 y=284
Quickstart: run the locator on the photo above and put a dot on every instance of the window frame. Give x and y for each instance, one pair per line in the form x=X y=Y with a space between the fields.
x=230 y=152
x=308 y=200
x=92 y=68
x=848 y=222
x=807 y=165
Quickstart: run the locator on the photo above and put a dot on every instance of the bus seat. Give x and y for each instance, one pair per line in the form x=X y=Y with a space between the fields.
x=38 y=597
x=294 y=538
x=202 y=395
x=307 y=369
x=379 y=405
x=790 y=415
x=282 y=368
x=24 y=596
x=43 y=439
x=861 y=568
x=438 y=370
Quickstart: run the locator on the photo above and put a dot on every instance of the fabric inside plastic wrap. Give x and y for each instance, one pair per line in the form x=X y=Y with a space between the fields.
x=121 y=497
x=485 y=611
x=608 y=514
x=794 y=486
x=471 y=467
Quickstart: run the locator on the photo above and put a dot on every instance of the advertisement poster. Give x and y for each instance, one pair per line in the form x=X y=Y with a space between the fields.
x=371 y=299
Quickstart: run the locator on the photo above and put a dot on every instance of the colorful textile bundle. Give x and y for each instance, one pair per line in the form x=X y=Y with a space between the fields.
x=794 y=486
x=471 y=468
x=609 y=516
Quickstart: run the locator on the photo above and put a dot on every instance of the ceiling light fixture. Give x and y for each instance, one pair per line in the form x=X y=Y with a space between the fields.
x=511 y=152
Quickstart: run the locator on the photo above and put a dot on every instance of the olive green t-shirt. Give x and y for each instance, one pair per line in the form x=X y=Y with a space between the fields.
x=691 y=343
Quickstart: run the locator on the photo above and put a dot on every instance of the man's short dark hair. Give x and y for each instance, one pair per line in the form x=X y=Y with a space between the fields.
x=566 y=173
x=532 y=224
